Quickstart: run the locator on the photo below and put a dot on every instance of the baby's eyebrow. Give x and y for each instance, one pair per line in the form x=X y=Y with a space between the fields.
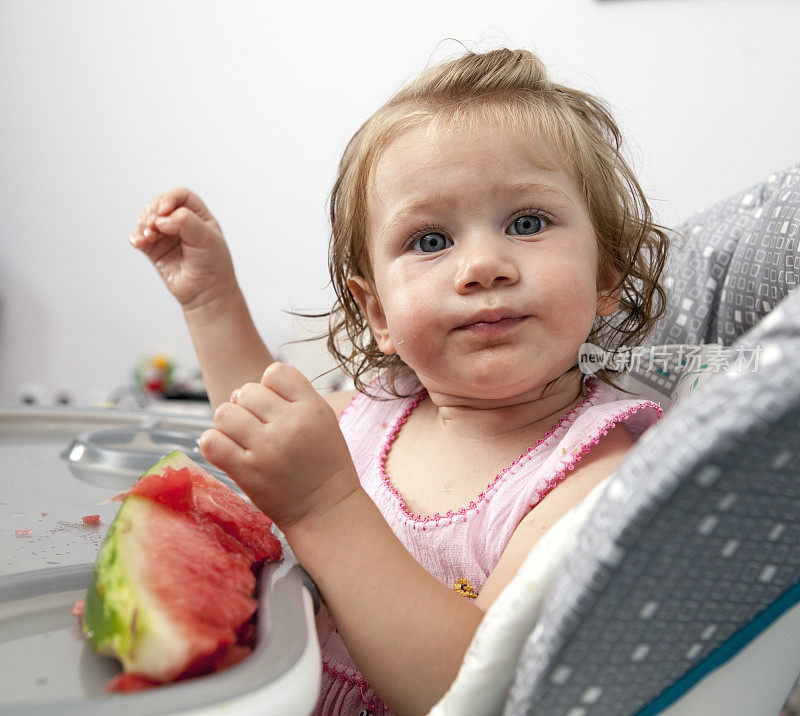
x=429 y=203
x=419 y=207
x=531 y=187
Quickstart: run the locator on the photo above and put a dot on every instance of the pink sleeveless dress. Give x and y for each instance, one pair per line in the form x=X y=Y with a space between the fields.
x=468 y=543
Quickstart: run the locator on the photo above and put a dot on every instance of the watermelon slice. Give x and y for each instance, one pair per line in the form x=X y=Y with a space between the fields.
x=172 y=592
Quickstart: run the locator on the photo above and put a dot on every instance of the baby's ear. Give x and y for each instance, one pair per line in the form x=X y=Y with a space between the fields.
x=367 y=300
x=609 y=292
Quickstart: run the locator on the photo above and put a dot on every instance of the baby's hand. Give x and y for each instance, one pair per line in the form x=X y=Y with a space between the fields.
x=280 y=441
x=183 y=240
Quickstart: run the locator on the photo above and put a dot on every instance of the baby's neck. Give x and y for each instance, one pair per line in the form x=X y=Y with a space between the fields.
x=469 y=419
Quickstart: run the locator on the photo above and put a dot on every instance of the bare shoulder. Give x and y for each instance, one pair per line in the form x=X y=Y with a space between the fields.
x=609 y=451
x=594 y=467
x=340 y=400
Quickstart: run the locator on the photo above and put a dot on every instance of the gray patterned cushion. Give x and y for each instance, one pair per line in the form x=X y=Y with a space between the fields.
x=733 y=264
x=697 y=534
x=729 y=266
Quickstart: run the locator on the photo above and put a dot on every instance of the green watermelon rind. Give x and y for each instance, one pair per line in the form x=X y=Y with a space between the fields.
x=117 y=621
x=110 y=605
x=176 y=460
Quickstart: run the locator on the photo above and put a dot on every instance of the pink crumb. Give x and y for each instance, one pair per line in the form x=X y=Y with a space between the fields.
x=77 y=611
x=125 y=682
x=91 y=519
x=22 y=533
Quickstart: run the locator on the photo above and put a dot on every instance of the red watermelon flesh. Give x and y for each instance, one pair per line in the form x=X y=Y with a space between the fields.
x=129 y=682
x=172 y=591
x=211 y=500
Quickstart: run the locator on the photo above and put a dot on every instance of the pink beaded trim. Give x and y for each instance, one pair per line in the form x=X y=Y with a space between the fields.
x=572 y=458
x=473 y=505
x=373 y=704
x=349 y=406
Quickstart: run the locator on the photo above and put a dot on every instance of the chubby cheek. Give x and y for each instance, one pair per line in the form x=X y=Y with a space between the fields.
x=572 y=304
x=411 y=339
x=414 y=314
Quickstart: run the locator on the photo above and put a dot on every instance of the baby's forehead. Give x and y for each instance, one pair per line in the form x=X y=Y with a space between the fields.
x=490 y=154
x=438 y=139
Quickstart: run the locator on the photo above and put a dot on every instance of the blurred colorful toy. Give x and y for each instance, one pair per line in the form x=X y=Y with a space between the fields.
x=155 y=374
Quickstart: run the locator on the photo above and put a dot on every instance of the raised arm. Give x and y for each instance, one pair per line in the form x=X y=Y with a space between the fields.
x=227 y=344
x=185 y=244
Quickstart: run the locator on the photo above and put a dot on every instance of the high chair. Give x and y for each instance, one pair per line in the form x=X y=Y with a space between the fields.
x=674 y=587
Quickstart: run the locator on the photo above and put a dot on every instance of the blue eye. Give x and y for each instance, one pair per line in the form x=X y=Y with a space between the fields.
x=431 y=243
x=529 y=224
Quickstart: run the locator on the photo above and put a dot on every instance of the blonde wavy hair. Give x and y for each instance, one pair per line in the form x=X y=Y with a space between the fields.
x=512 y=88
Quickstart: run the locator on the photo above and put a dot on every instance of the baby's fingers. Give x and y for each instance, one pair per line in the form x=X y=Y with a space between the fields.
x=239 y=424
x=166 y=203
x=183 y=223
x=173 y=199
x=235 y=431
x=288 y=382
x=137 y=239
x=221 y=450
x=262 y=402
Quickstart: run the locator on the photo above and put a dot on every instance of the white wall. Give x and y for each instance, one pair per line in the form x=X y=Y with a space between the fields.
x=104 y=104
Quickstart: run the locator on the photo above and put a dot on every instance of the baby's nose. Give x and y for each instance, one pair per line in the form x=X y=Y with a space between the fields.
x=485 y=266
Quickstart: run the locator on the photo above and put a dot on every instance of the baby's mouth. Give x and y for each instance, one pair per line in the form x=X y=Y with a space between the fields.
x=495 y=321
x=493 y=326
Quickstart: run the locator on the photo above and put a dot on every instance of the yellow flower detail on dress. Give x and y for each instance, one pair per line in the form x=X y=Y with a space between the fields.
x=465 y=589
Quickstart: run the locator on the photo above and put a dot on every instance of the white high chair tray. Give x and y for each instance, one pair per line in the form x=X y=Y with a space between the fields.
x=52 y=477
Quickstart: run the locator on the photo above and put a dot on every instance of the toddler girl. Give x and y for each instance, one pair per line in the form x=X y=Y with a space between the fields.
x=485 y=226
